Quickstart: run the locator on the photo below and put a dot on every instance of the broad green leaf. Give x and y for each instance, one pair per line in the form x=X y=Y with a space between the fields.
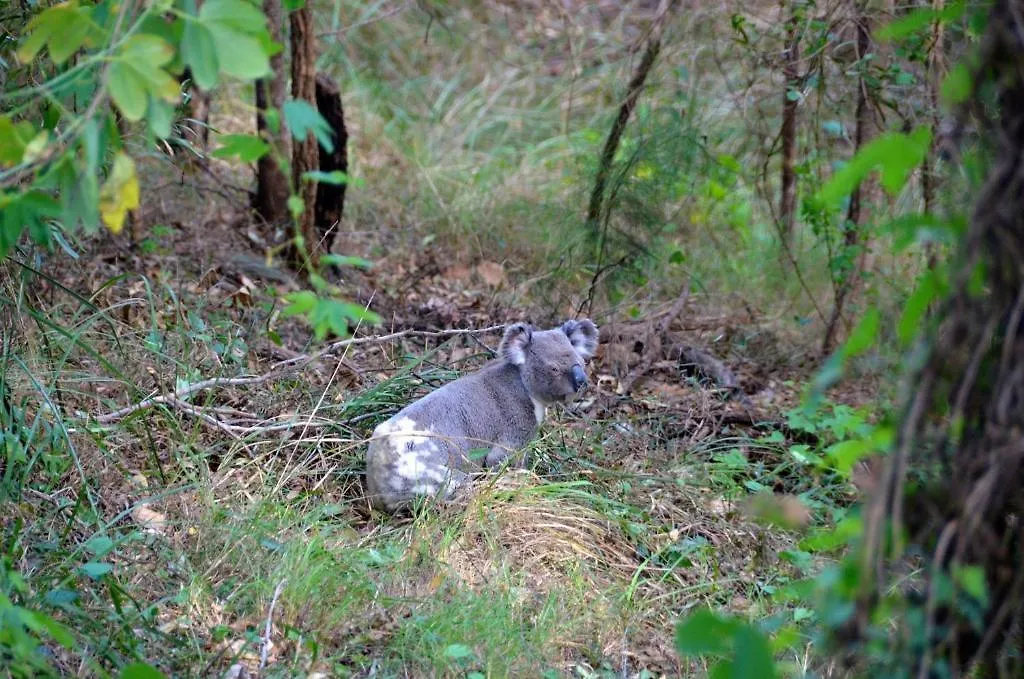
x=58 y=632
x=96 y=569
x=296 y=206
x=957 y=85
x=13 y=140
x=18 y=212
x=920 y=18
x=928 y=289
x=752 y=657
x=119 y=193
x=141 y=670
x=239 y=55
x=200 y=54
x=302 y=119
x=99 y=545
x=894 y=153
x=236 y=30
x=704 y=633
x=71 y=38
x=127 y=89
x=147 y=49
x=242 y=16
x=301 y=302
x=863 y=335
x=63 y=28
x=845 y=454
x=246 y=147
x=901 y=155
x=972 y=580
x=160 y=117
x=458 y=651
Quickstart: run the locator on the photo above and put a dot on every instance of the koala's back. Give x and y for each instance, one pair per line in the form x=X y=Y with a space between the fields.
x=422 y=450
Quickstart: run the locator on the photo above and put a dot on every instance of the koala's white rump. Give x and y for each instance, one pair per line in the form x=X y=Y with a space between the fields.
x=424 y=449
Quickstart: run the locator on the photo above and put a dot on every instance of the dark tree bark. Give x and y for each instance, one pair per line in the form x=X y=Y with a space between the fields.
x=787 y=194
x=852 y=237
x=272 y=190
x=952 y=481
x=305 y=156
x=330 y=198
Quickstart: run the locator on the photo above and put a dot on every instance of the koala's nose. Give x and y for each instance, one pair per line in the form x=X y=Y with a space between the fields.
x=579 y=378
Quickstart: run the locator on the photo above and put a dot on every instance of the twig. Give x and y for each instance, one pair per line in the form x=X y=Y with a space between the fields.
x=281 y=368
x=265 y=650
x=659 y=330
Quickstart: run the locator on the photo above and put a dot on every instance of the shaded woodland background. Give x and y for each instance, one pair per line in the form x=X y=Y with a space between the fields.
x=240 y=235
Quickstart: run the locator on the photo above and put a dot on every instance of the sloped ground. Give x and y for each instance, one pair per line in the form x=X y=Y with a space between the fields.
x=242 y=504
x=226 y=528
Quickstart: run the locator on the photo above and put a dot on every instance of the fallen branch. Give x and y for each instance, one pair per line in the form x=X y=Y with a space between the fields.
x=282 y=368
x=658 y=330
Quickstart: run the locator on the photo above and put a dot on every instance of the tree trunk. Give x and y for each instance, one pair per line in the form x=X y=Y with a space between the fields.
x=305 y=156
x=330 y=198
x=852 y=237
x=787 y=194
x=272 y=190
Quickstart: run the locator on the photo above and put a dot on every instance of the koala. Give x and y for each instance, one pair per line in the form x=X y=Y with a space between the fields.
x=424 y=449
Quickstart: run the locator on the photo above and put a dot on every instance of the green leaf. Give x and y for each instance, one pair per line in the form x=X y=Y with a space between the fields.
x=141 y=670
x=972 y=580
x=239 y=55
x=96 y=569
x=296 y=206
x=302 y=119
x=958 y=84
x=247 y=147
x=72 y=37
x=63 y=28
x=99 y=545
x=237 y=30
x=200 y=54
x=918 y=19
x=845 y=454
x=337 y=177
x=127 y=89
x=160 y=117
x=18 y=212
x=894 y=153
x=458 y=652
x=704 y=633
x=928 y=289
x=13 y=140
x=753 y=657
x=242 y=16
x=301 y=302
x=58 y=632
x=346 y=260
x=864 y=333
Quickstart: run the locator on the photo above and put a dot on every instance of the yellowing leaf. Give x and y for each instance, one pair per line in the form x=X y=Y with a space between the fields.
x=119 y=194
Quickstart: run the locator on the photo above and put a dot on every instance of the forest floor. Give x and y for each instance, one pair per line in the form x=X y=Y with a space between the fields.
x=225 y=530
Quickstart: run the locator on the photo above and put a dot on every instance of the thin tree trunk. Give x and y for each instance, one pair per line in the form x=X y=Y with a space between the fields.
x=934 y=80
x=854 y=215
x=272 y=190
x=787 y=194
x=305 y=156
x=330 y=198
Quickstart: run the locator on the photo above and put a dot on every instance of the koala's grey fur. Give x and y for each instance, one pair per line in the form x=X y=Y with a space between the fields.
x=423 y=449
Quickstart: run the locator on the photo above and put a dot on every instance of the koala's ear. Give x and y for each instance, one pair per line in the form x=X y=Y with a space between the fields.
x=583 y=336
x=513 y=344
